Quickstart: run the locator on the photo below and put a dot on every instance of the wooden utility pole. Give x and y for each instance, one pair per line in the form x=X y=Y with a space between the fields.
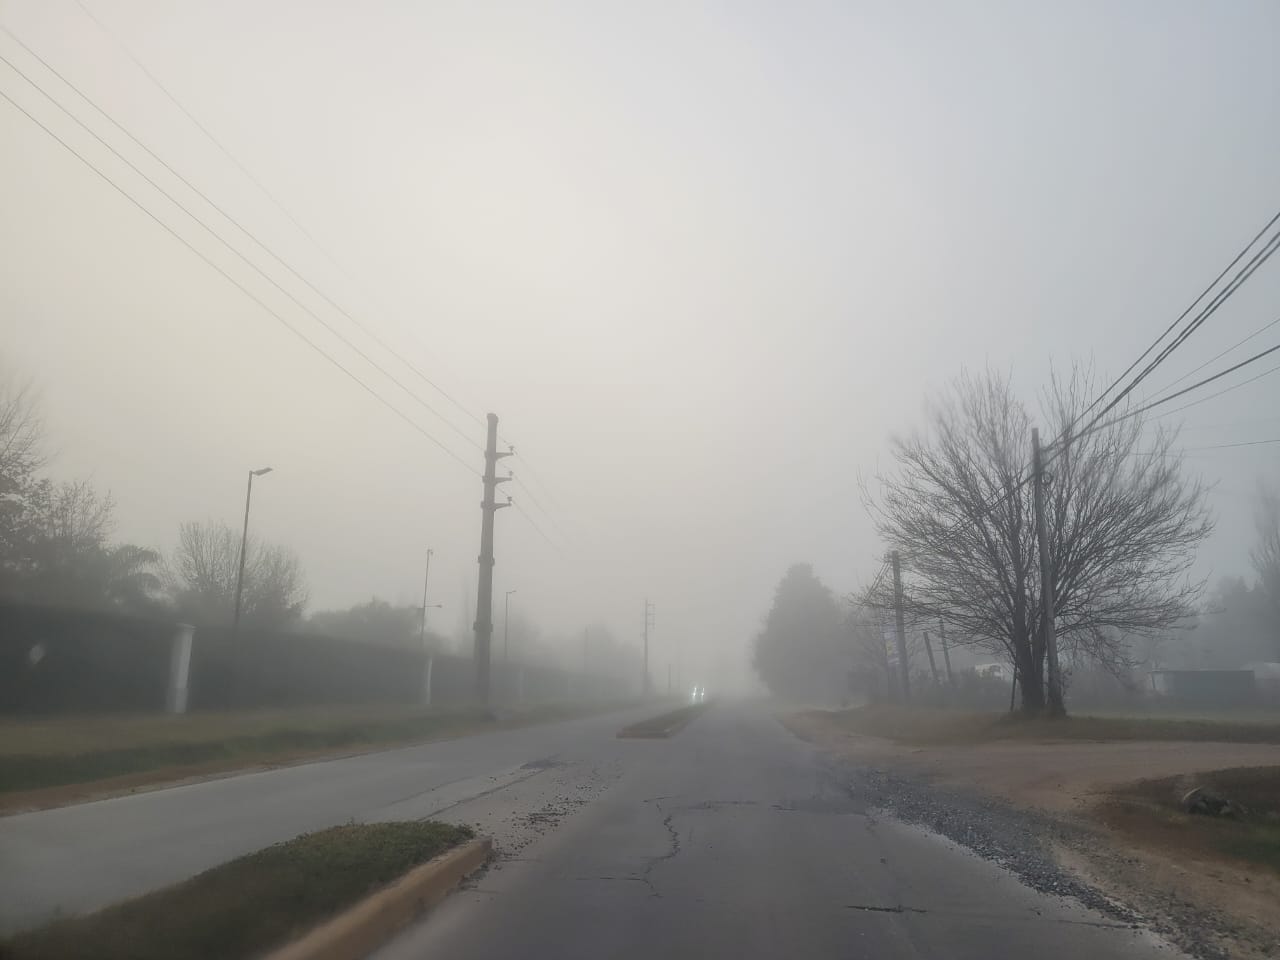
x=900 y=627
x=1055 y=704
x=933 y=667
x=946 y=655
x=484 y=590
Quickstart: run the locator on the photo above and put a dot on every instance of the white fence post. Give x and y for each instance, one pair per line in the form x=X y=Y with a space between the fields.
x=179 y=668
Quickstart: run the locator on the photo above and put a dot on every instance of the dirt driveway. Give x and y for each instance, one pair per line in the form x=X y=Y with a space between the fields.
x=1058 y=776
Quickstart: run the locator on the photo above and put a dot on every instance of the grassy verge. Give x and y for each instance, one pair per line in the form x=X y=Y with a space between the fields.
x=1150 y=813
x=126 y=751
x=665 y=724
x=249 y=905
x=939 y=726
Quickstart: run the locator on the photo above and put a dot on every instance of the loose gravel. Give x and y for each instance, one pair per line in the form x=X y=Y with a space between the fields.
x=1021 y=841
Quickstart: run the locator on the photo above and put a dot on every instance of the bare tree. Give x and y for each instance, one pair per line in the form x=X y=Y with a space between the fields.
x=1266 y=556
x=21 y=455
x=1124 y=524
x=202 y=578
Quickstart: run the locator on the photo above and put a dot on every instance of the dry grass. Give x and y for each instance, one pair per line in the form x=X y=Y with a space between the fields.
x=929 y=726
x=126 y=751
x=249 y=905
x=1149 y=812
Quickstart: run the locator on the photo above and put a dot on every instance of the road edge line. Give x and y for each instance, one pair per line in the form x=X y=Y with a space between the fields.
x=361 y=929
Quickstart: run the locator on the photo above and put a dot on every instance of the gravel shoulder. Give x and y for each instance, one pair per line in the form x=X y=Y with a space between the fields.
x=1028 y=807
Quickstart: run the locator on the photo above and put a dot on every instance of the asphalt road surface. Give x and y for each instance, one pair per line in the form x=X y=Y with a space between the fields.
x=82 y=857
x=732 y=840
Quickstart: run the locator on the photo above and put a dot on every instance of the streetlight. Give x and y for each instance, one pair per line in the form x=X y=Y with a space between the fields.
x=244 y=545
x=506 y=620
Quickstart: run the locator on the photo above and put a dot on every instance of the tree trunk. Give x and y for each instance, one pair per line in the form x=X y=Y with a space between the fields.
x=1030 y=676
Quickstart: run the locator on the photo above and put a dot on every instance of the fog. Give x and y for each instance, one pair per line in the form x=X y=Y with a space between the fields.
x=702 y=260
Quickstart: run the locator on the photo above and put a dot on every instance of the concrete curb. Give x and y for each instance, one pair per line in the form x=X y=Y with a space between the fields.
x=375 y=919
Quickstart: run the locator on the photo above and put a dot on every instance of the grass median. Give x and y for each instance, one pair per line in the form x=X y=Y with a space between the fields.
x=249 y=905
x=47 y=761
x=935 y=726
x=665 y=724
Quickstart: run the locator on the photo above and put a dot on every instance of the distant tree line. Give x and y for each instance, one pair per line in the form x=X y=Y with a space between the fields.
x=57 y=546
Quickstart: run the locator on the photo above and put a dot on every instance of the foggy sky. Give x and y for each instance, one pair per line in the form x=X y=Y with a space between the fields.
x=703 y=260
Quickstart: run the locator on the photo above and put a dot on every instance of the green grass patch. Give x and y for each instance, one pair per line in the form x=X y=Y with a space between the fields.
x=1150 y=811
x=925 y=725
x=249 y=905
x=56 y=752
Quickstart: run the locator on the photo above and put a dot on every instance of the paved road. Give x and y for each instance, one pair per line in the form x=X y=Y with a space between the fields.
x=83 y=857
x=730 y=840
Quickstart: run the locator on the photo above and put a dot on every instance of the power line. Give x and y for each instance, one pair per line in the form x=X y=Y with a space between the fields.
x=213 y=233
x=1226 y=446
x=1218 y=393
x=533 y=523
x=1182 y=316
x=236 y=283
x=1185 y=390
x=536 y=477
x=239 y=226
x=1239 y=343
x=543 y=510
x=257 y=183
x=1256 y=262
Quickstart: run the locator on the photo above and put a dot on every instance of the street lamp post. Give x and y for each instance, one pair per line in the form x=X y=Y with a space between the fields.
x=506 y=621
x=244 y=546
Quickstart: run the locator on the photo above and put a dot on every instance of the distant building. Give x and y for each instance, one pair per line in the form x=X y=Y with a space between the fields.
x=1220 y=688
x=996 y=671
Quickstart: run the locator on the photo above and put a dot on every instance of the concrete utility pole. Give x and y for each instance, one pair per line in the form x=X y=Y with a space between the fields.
x=1056 y=706
x=244 y=549
x=946 y=655
x=506 y=626
x=900 y=626
x=484 y=589
x=646 y=687
x=426 y=578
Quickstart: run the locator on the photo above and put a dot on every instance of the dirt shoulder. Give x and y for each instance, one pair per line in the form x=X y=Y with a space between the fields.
x=1140 y=855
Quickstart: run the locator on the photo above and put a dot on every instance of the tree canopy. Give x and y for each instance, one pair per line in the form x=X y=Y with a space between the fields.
x=801 y=652
x=1124 y=523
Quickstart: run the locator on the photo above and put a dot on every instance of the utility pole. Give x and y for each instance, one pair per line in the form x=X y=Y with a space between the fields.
x=426 y=578
x=946 y=655
x=668 y=681
x=900 y=626
x=933 y=667
x=506 y=624
x=648 y=622
x=1056 y=706
x=484 y=590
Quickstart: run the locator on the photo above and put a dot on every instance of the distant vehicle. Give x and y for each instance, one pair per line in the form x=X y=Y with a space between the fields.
x=699 y=695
